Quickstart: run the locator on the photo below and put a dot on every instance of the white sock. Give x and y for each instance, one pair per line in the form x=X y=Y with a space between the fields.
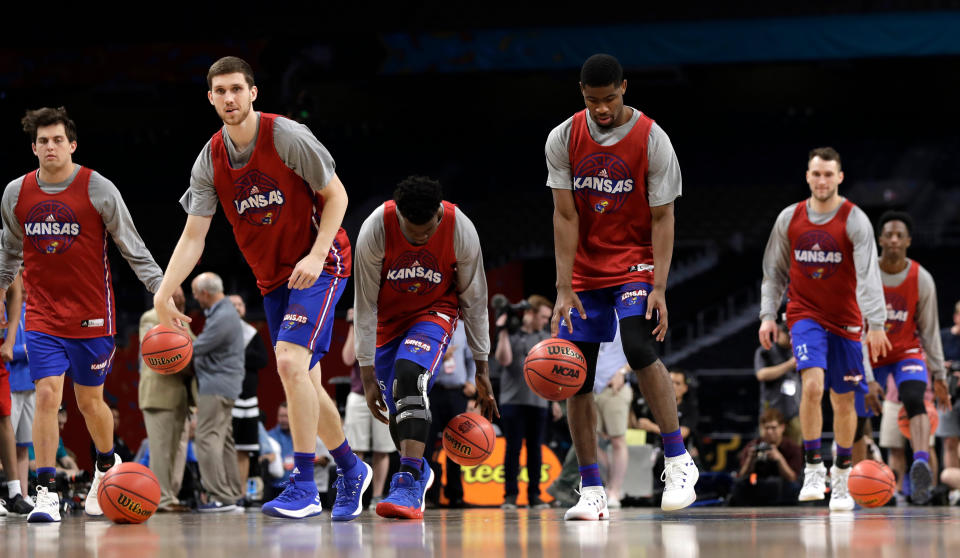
x=13 y=489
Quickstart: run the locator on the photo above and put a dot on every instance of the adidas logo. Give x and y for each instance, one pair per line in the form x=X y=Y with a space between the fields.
x=296 y=471
x=603 y=173
x=50 y=219
x=416 y=263
x=254 y=190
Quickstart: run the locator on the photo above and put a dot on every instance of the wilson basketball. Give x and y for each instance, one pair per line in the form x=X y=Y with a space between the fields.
x=555 y=369
x=904 y=423
x=128 y=493
x=165 y=350
x=468 y=439
x=871 y=483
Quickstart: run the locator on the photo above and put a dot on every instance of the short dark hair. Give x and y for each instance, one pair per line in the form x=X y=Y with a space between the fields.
x=418 y=198
x=600 y=70
x=825 y=153
x=895 y=216
x=47 y=116
x=772 y=414
x=230 y=65
x=683 y=372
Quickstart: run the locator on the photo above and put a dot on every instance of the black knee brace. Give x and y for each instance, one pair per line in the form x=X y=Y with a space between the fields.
x=911 y=395
x=590 y=352
x=636 y=333
x=861 y=429
x=410 y=382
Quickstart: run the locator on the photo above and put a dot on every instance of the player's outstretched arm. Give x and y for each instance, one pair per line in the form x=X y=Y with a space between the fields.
x=184 y=259
x=566 y=229
x=307 y=270
x=662 y=229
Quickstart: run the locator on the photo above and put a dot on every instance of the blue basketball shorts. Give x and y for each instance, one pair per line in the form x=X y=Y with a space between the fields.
x=840 y=358
x=86 y=361
x=903 y=370
x=424 y=343
x=603 y=308
x=305 y=317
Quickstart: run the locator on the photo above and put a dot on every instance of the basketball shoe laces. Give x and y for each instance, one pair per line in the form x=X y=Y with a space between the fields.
x=292 y=492
x=592 y=498
x=346 y=496
x=673 y=477
x=839 y=488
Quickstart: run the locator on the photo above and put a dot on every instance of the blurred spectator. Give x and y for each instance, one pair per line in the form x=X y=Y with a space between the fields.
x=19 y=402
x=218 y=357
x=769 y=466
x=949 y=428
x=119 y=445
x=246 y=409
x=613 y=396
x=776 y=370
x=523 y=413
x=366 y=434
x=448 y=398
x=164 y=399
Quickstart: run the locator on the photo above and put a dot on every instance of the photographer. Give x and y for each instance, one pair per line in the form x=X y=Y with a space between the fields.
x=949 y=430
x=523 y=413
x=769 y=467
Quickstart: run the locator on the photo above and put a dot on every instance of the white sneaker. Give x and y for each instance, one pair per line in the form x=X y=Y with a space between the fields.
x=840 y=499
x=47 y=509
x=592 y=505
x=91 y=505
x=613 y=503
x=679 y=476
x=3 y=509
x=814 y=482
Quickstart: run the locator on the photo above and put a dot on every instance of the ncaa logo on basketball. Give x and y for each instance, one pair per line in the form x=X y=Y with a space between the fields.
x=897 y=313
x=51 y=227
x=602 y=182
x=294 y=317
x=417 y=344
x=630 y=298
x=257 y=198
x=414 y=273
x=817 y=254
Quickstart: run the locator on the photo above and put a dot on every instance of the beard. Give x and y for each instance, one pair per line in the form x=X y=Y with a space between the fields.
x=236 y=117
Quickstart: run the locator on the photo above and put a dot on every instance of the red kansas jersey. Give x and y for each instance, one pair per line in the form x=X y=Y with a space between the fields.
x=66 y=271
x=823 y=276
x=901 y=324
x=273 y=211
x=610 y=192
x=417 y=283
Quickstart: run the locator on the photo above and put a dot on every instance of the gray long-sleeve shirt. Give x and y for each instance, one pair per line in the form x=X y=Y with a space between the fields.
x=928 y=321
x=218 y=352
x=105 y=197
x=776 y=264
x=471 y=285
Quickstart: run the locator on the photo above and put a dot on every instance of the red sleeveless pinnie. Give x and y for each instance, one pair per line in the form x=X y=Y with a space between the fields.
x=66 y=270
x=901 y=324
x=610 y=192
x=273 y=211
x=417 y=283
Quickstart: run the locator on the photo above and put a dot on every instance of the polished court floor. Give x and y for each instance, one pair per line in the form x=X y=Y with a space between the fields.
x=489 y=533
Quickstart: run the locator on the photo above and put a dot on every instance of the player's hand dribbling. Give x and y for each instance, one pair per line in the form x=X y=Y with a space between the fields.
x=169 y=315
x=657 y=300
x=878 y=343
x=567 y=300
x=306 y=272
x=767 y=333
x=942 y=394
x=485 y=399
x=873 y=397
x=371 y=390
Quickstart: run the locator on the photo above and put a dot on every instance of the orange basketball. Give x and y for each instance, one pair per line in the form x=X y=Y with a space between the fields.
x=555 y=369
x=165 y=350
x=128 y=493
x=904 y=423
x=871 y=483
x=468 y=439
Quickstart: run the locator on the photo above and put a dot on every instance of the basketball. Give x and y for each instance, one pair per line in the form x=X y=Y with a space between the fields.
x=128 y=493
x=468 y=439
x=555 y=369
x=904 y=423
x=165 y=350
x=871 y=483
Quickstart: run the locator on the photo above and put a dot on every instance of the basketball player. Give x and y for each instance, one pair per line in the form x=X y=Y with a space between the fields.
x=64 y=211
x=419 y=266
x=615 y=177
x=914 y=329
x=277 y=186
x=824 y=247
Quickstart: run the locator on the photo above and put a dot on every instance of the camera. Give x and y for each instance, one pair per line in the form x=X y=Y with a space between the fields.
x=501 y=305
x=761 y=449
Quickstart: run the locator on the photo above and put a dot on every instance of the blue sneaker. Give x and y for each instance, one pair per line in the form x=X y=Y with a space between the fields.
x=405 y=500
x=215 y=506
x=298 y=500
x=350 y=488
x=426 y=480
x=921 y=483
